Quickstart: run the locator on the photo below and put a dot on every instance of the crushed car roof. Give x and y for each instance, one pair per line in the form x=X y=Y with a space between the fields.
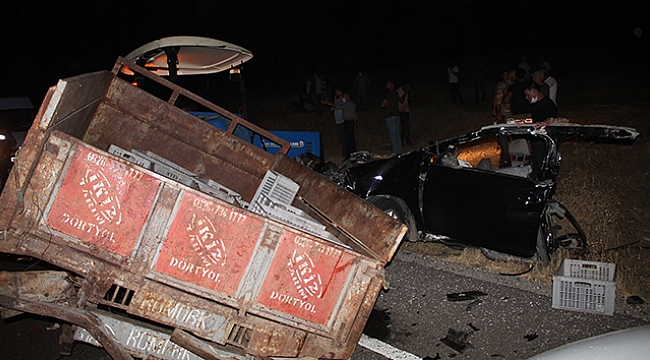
x=564 y=127
x=558 y=129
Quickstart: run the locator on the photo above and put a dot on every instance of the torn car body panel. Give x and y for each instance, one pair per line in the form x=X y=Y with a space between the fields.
x=143 y=235
x=493 y=211
x=491 y=188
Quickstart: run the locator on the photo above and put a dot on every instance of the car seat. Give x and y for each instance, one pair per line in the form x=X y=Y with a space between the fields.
x=520 y=155
x=519 y=151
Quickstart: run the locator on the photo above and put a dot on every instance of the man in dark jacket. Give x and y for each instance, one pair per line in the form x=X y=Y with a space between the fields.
x=519 y=107
x=391 y=105
x=542 y=106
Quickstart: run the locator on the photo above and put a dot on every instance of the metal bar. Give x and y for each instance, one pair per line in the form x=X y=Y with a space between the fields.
x=83 y=318
x=144 y=341
x=177 y=90
x=174 y=97
x=260 y=131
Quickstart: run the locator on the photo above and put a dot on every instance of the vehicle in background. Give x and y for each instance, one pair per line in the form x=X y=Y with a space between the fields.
x=628 y=344
x=492 y=188
x=16 y=117
x=301 y=142
x=182 y=56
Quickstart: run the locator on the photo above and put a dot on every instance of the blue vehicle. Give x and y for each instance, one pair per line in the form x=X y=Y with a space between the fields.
x=301 y=141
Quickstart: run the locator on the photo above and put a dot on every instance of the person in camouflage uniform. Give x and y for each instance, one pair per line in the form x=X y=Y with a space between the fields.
x=501 y=110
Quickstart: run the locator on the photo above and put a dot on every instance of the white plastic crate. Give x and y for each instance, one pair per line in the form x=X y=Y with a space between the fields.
x=585 y=286
x=278 y=188
x=138 y=160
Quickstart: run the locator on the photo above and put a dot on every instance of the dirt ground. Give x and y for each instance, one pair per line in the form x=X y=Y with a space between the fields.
x=605 y=186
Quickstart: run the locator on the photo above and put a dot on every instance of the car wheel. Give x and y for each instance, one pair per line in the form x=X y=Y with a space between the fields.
x=398 y=210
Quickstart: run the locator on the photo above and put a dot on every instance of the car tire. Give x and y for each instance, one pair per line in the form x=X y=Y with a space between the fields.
x=398 y=210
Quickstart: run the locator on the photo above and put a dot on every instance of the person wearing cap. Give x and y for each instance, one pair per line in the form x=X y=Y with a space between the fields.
x=542 y=106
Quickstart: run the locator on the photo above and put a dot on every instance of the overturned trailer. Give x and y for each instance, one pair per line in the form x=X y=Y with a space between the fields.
x=174 y=239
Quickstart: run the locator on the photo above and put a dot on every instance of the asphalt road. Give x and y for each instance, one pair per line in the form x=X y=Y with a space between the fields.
x=514 y=320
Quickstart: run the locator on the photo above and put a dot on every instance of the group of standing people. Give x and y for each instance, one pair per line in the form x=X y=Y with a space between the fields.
x=521 y=95
x=395 y=103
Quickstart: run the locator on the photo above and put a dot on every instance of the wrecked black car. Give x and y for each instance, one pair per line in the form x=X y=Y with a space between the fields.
x=491 y=188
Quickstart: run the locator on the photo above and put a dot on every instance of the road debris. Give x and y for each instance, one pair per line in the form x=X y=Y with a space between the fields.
x=457 y=340
x=531 y=336
x=635 y=300
x=463 y=296
x=474 y=303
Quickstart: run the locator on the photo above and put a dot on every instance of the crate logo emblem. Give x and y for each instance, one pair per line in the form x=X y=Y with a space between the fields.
x=103 y=203
x=307 y=281
x=211 y=249
x=209 y=244
x=306 y=278
x=97 y=190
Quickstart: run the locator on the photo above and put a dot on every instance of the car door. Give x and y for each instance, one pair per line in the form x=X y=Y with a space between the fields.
x=488 y=208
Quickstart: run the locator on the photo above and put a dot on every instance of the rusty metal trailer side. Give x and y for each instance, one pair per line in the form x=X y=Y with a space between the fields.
x=149 y=257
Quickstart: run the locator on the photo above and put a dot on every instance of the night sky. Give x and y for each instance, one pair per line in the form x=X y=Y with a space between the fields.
x=43 y=41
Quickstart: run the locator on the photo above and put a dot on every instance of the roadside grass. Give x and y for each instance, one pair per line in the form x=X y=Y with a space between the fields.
x=475 y=258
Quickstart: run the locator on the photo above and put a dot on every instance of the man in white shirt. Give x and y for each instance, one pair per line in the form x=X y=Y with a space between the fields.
x=552 y=85
x=454 y=88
